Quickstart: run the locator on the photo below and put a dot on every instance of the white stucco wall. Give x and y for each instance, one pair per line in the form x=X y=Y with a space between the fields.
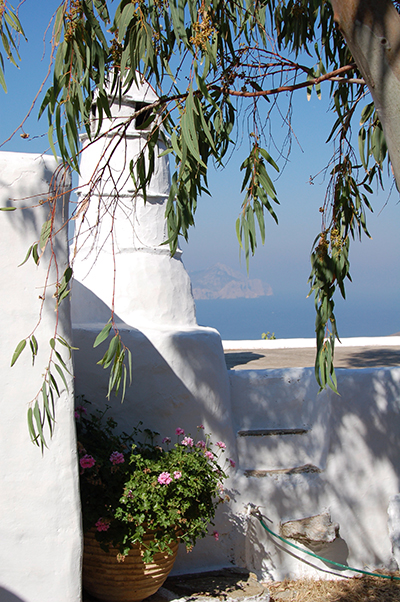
x=347 y=462
x=179 y=380
x=323 y=453
x=119 y=243
x=40 y=551
x=179 y=373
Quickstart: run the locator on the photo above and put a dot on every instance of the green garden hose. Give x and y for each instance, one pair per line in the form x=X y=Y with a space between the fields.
x=255 y=512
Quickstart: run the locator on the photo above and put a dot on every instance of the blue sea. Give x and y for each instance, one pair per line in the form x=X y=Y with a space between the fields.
x=241 y=319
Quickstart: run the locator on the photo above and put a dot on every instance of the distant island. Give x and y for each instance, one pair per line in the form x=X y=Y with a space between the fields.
x=221 y=282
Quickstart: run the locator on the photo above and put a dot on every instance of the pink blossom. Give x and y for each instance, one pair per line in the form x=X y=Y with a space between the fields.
x=102 y=525
x=188 y=441
x=216 y=535
x=79 y=410
x=201 y=444
x=220 y=444
x=200 y=427
x=87 y=461
x=164 y=478
x=166 y=440
x=180 y=431
x=117 y=458
x=177 y=474
x=232 y=462
x=209 y=454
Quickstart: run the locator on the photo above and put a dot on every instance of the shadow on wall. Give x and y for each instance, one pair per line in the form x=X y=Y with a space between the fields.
x=176 y=375
x=7 y=596
x=362 y=466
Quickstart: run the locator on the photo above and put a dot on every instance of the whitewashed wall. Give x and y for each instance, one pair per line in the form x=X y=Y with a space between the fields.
x=323 y=453
x=179 y=373
x=40 y=551
x=317 y=453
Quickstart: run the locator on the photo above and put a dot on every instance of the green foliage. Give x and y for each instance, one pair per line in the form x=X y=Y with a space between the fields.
x=41 y=411
x=267 y=336
x=220 y=68
x=130 y=484
x=118 y=357
x=10 y=26
x=227 y=50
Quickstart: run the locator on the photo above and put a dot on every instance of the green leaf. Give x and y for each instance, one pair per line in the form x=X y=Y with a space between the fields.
x=62 y=376
x=39 y=426
x=45 y=234
x=108 y=357
x=268 y=158
x=60 y=359
x=103 y=335
x=58 y=23
x=26 y=256
x=8 y=209
x=51 y=141
x=35 y=254
x=54 y=383
x=2 y=78
x=361 y=147
x=124 y=20
x=18 y=350
x=31 y=428
x=367 y=112
x=34 y=348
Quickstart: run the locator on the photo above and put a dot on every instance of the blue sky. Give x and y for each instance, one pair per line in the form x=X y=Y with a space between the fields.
x=283 y=262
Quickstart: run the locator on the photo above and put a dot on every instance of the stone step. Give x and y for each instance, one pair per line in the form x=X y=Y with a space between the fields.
x=263 y=452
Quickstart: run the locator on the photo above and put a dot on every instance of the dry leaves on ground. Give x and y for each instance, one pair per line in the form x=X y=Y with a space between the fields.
x=356 y=589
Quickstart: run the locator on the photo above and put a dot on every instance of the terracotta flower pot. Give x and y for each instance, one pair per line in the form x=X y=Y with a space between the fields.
x=129 y=581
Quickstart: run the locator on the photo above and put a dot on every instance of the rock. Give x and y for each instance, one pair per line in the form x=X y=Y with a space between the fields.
x=311 y=530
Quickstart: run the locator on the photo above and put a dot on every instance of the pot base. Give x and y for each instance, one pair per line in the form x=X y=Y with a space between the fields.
x=129 y=581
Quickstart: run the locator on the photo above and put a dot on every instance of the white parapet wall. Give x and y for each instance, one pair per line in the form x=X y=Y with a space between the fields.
x=40 y=522
x=302 y=454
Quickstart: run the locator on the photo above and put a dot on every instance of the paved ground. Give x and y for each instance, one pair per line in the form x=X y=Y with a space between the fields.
x=345 y=357
x=236 y=585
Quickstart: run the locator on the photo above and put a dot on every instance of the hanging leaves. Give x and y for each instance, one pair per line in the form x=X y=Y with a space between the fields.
x=118 y=358
x=9 y=27
x=200 y=56
x=259 y=190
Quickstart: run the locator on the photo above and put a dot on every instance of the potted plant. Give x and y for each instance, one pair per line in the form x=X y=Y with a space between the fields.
x=140 y=497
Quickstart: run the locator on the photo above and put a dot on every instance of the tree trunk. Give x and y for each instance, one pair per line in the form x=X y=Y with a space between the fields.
x=371 y=29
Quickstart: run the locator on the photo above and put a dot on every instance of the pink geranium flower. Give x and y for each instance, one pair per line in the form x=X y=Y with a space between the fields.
x=117 y=458
x=201 y=426
x=177 y=474
x=79 y=410
x=201 y=444
x=180 y=431
x=209 y=454
x=102 y=525
x=166 y=440
x=164 y=478
x=188 y=441
x=87 y=461
x=232 y=462
x=220 y=444
x=216 y=535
